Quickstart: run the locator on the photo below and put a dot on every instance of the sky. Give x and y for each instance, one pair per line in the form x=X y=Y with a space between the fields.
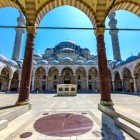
x=67 y=16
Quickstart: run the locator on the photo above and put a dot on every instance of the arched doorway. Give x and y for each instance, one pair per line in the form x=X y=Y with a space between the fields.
x=128 y=80
x=137 y=76
x=93 y=80
x=15 y=81
x=67 y=76
x=81 y=78
x=40 y=79
x=4 y=79
x=53 y=78
x=118 y=82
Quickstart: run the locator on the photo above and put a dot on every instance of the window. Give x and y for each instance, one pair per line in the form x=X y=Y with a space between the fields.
x=55 y=76
x=66 y=89
x=78 y=77
x=89 y=77
x=44 y=76
x=60 y=89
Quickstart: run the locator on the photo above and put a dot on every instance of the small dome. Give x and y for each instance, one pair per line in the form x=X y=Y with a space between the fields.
x=79 y=62
x=43 y=62
x=90 y=62
x=34 y=62
x=3 y=58
x=37 y=56
x=120 y=63
x=19 y=61
x=67 y=59
x=12 y=62
x=95 y=57
x=131 y=58
x=54 y=62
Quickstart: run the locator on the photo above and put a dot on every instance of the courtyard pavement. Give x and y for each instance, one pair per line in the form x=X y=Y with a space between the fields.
x=83 y=107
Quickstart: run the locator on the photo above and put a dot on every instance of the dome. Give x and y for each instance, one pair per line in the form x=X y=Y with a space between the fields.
x=95 y=57
x=131 y=58
x=3 y=58
x=34 y=62
x=38 y=56
x=120 y=63
x=79 y=62
x=43 y=62
x=113 y=62
x=12 y=62
x=19 y=61
x=67 y=59
x=54 y=62
x=90 y=62
x=67 y=43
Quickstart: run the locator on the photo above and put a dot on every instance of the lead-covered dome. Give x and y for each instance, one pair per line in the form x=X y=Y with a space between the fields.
x=120 y=63
x=131 y=58
x=12 y=62
x=43 y=62
x=67 y=43
x=90 y=62
x=37 y=56
x=34 y=62
x=54 y=62
x=67 y=59
x=3 y=58
x=79 y=62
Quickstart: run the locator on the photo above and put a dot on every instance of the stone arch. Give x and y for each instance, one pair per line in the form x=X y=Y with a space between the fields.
x=128 y=82
x=12 y=4
x=79 y=4
x=93 y=79
x=128 y=5
x=137 y=76
x=67 y=76
x=81 y=78
x=53 y=78
x=118 y=82
x=5 y=78
x=15 y=81
x=40 y=79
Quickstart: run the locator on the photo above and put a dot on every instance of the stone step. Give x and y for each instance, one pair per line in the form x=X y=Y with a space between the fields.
x=128 y=127
x=11 y=113
x=3 y=124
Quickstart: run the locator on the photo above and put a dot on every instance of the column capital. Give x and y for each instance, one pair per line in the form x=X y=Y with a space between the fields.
x=99 y=31
x=31 y=29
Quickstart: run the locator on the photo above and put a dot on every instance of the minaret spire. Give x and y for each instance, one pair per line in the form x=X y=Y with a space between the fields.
x=18 y=38
x=114 y=36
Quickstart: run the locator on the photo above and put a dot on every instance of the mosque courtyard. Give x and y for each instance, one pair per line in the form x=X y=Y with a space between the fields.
x=68 y=118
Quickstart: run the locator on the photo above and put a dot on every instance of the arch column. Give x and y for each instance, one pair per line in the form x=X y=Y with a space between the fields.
x=135 y=85
x=113 y=84
x=33 y=82
x=87 y=82
x=23 y=97
x=122 y=84
x=103 y=70
x=9 y=84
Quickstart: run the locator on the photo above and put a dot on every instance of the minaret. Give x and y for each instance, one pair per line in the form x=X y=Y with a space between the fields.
x=18 y=39
x=114 y=36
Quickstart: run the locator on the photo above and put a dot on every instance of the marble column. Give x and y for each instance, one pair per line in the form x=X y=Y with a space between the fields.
x=18 y=38
x=103 y=70
x=122 y=84
x=47 y=82
x=33 y=82
x=113 y=84
x=114 y=37
x=9 y=84
x=135 y=85
x=24 y=90
x=87 y=82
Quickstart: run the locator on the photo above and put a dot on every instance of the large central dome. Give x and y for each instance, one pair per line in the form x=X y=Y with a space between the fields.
x=67 y=43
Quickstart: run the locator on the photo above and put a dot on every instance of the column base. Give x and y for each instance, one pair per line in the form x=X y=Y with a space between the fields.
x=22 y=102
x=107 y=103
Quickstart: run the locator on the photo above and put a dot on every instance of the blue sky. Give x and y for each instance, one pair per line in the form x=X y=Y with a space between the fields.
x=67 y=16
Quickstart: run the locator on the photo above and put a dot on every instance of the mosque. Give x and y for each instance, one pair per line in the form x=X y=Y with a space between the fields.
x=69 y=63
